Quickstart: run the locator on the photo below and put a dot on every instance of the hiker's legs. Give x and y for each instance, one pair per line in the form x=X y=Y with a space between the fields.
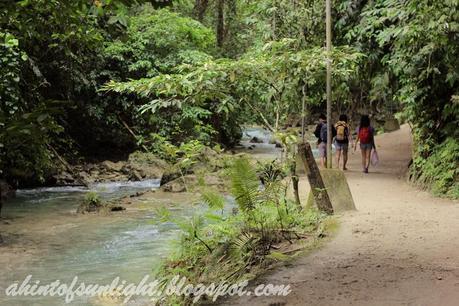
x=323 y=154
x=363 y=158
x=366 y=153
x=345 y=151
x=367 y=158
x=338 y=156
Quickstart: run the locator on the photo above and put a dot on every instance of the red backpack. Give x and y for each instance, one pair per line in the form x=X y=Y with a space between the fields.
x=365 y=135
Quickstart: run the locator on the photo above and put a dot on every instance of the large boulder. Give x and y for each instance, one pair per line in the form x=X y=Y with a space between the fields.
x=135 y=176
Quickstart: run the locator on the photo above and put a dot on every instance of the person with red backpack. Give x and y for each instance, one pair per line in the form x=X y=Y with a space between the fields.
x=365 y=134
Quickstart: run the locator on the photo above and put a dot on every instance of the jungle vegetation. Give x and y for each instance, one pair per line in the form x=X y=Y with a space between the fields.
x=92 y=79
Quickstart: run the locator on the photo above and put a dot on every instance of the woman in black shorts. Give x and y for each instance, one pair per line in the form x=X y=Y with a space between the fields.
x=365 y=134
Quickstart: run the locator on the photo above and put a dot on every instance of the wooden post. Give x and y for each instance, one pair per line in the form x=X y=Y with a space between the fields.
x=329 y=87
x=315 y=179
x=295 y=182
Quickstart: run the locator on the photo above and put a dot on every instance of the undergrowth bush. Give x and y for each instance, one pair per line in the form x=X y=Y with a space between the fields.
x=218 y=247
x=440 y=171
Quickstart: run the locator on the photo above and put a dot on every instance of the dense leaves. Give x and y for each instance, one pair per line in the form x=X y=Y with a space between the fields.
x=197 y=70
x=267 y=83
x=413 y=51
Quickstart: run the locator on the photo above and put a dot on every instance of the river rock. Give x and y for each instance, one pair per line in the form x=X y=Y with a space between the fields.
x=88 y=207
x=85 y=177
x=255 y=139
x=176 y=185
x=169 y=175
x=147 y=165
x=135 y=176
x=64 y=178
x=117 y=208
x=191 y=180
x=112 y=166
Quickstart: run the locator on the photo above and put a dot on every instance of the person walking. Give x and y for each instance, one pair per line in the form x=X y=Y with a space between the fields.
x=365 y=135
x=321 y=133
x=321 y=146
x=342 y=138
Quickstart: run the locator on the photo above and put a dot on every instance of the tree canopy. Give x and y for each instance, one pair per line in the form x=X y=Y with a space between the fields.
x=95 y=78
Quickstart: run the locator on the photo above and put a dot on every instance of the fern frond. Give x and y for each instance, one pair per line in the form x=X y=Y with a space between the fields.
x=213 y=199
x=244 y=184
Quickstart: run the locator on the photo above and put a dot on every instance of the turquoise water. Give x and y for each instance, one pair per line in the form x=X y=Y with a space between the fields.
x=95 y=248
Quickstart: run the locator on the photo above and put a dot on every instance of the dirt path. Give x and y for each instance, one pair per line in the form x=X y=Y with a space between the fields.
x=400 y=248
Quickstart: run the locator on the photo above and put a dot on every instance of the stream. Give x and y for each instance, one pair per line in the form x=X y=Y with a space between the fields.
x=95 y=248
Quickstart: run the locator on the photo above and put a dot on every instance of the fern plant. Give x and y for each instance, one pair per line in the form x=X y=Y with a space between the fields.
x=245 y=184
x=218 y=247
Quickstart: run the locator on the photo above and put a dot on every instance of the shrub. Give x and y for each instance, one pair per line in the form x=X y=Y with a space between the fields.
x=440 y=171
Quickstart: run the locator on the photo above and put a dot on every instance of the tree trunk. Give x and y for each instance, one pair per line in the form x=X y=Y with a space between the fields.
x=200 y=8
x=315 y=179
x=220 y=22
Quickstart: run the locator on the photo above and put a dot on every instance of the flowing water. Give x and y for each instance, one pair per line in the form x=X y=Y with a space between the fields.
x=267 y=150
x=93 y=247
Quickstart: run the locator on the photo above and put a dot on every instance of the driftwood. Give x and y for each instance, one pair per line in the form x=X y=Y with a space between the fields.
x=315 y=179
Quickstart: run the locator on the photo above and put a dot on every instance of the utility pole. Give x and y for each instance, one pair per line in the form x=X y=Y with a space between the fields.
x=329 y=89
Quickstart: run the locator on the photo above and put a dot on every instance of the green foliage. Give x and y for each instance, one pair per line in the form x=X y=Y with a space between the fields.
x=221 y=247
x=245 y=185
x=92 y=198
x=46 y=45
x=412 y=51
x=176 y=85
x=25 y=129
x=267 y=81
x=12 y=58
x=270 y=172
x=440 y=171
x=91 y=203
x=156 y=41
